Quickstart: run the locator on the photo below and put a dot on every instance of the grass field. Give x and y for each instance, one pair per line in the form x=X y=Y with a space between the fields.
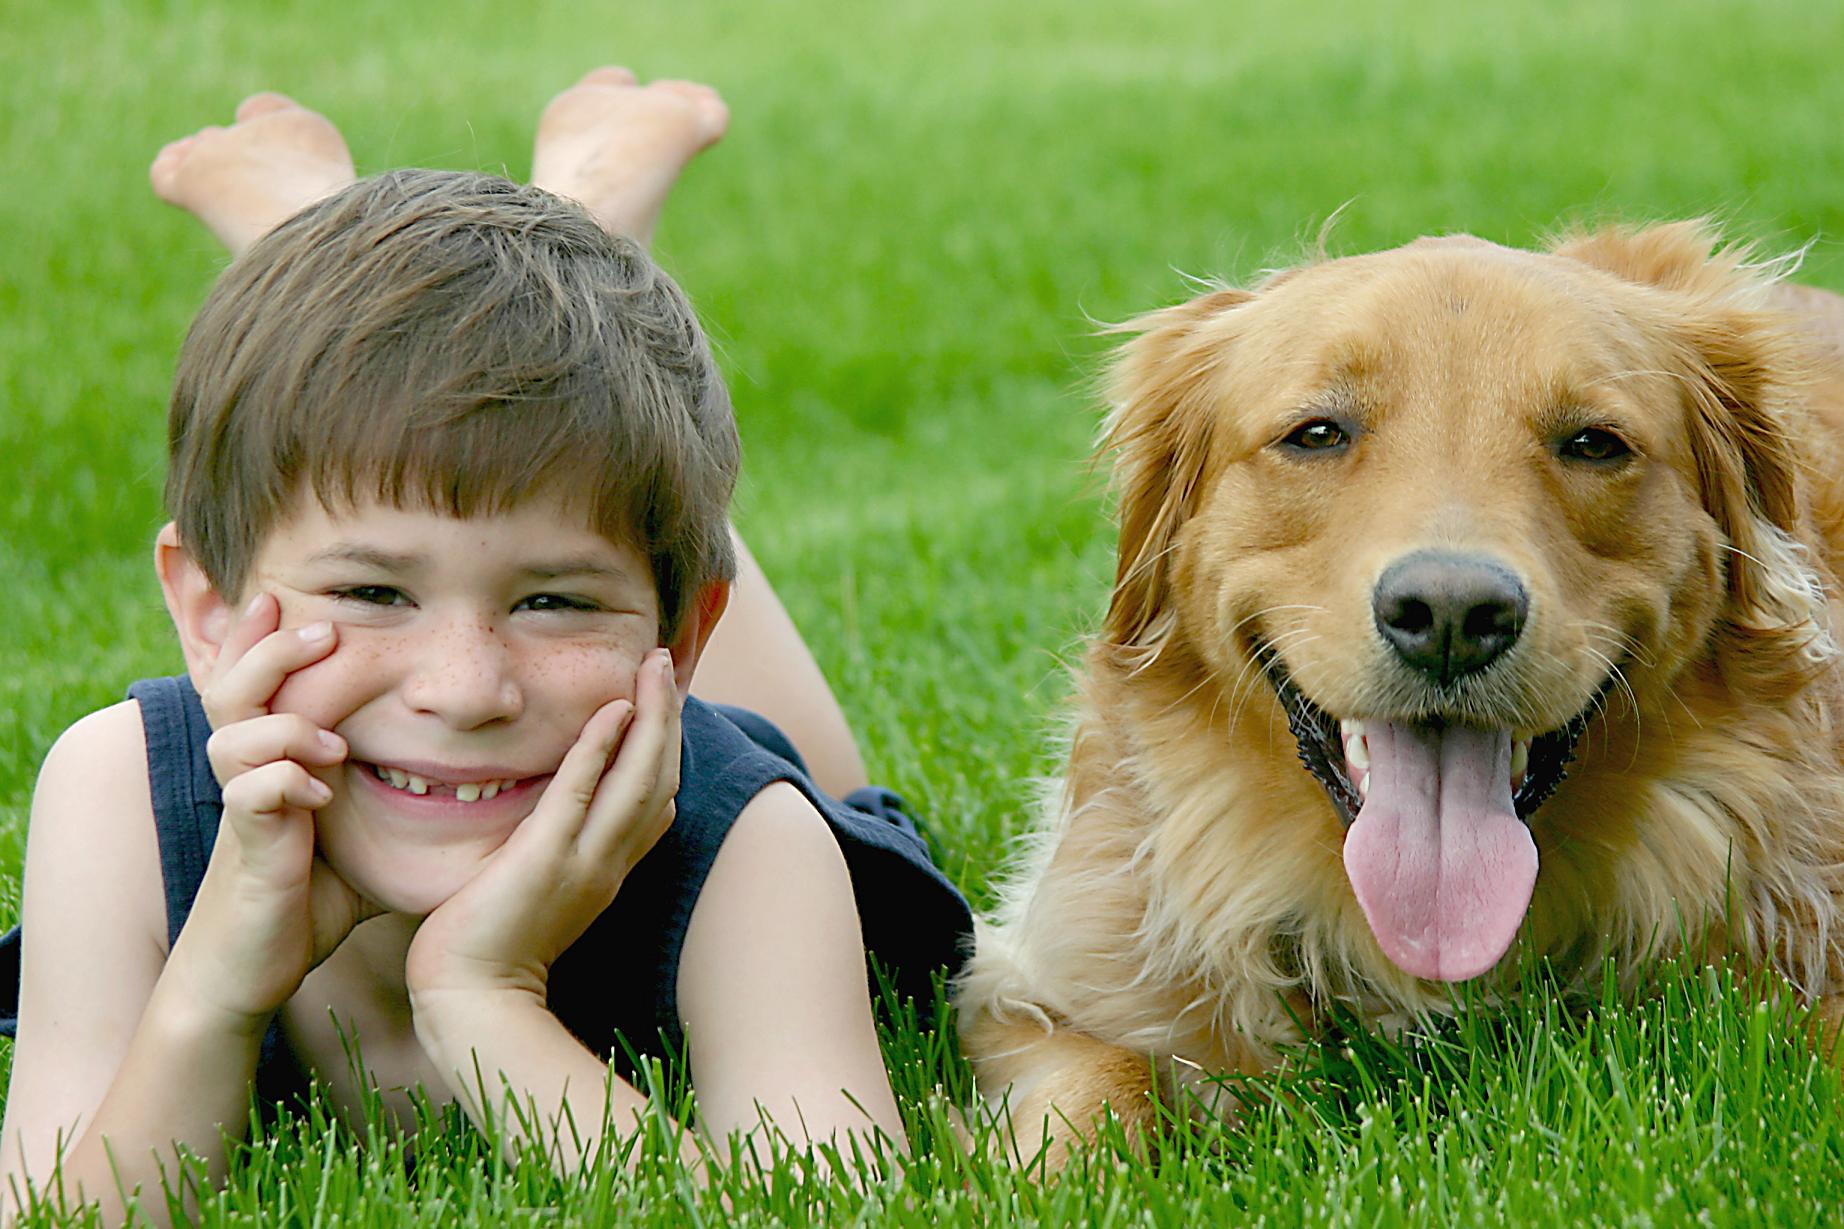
x=902 y=248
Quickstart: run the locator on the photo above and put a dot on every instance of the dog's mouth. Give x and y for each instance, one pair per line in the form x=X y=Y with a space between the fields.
x=1337 y=751
x=1437 y=844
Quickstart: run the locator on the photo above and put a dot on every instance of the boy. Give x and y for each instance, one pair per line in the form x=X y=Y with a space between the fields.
x=449 y=469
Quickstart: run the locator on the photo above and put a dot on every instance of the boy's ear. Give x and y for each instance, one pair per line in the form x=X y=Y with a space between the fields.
x=200 y=615
x=695 y=631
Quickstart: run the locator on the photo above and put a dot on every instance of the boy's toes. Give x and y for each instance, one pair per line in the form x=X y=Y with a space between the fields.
x=713 y=114
x=609 y=74
x=164 y=173
x=262 y=104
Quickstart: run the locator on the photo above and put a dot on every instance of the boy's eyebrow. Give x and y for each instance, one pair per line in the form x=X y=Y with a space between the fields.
x=576 y=565
x=550 y=569
x=370 y=556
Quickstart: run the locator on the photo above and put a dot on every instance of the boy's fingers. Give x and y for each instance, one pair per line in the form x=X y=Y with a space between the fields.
x=261 y=616
x=265 y=793
x=641 y=785
x=243 y=688
x=237 y=748
x=573 y=787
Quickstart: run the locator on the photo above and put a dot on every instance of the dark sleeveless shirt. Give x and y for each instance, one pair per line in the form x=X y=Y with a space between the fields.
x=616 y=988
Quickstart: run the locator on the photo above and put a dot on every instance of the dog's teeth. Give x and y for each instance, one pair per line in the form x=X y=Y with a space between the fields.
x=1357 y=751
x=469 y=792
x=1350 y=727
x=1520 y=759
x=1363 y=788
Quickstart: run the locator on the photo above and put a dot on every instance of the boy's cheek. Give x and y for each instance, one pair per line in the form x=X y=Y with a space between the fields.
x=562 y=686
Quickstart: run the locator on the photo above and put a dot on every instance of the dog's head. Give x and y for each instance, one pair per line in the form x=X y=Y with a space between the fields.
x=1448 y=502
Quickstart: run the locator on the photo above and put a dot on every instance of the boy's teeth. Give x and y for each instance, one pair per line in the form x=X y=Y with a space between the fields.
x=472 y=791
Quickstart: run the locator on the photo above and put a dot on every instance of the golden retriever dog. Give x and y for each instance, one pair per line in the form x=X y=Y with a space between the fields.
x=1471 y=602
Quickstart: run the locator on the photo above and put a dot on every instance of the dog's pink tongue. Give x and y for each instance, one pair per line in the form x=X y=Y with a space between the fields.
x=1439 y=860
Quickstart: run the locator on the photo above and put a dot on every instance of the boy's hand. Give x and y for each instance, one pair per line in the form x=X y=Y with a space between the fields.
x=269 y=909
x=564 y=863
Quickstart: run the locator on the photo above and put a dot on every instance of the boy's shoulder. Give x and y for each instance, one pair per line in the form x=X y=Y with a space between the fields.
x=103 y=749
x=91 y=838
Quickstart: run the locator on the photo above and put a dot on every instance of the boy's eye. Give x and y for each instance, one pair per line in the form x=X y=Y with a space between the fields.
x=372 y=595
x=555 y=601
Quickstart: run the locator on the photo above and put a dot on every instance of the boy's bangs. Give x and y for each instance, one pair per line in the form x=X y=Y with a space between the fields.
x=484 y=459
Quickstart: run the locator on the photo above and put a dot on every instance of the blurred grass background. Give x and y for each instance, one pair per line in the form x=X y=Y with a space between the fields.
x=902 y=249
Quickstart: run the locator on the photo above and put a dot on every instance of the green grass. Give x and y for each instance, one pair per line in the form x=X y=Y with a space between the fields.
x=902 y=249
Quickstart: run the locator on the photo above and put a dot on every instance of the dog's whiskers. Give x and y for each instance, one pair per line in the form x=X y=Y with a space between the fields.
x=1190 y=691
x=1621 y=640
x=1243 y=675
x=1632 y=699
x=1622 y=645
x=1312 y=639
x=1238 y=624
x=1250 y=675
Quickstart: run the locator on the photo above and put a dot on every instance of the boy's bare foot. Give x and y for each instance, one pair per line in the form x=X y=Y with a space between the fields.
x=243 y=181
x=617 y=146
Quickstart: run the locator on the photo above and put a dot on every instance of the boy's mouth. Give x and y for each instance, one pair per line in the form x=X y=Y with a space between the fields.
x=477 y=790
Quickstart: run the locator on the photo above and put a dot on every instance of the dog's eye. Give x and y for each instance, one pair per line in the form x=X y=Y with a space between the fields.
x=1594 y=444
x=1317 y=436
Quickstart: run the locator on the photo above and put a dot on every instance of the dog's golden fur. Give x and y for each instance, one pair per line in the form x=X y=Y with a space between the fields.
x=1184 y=901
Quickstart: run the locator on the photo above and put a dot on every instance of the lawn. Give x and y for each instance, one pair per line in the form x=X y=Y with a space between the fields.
x=904 y=248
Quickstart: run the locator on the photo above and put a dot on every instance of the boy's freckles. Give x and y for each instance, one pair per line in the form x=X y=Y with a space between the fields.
x=460 y=642
x=461 y=681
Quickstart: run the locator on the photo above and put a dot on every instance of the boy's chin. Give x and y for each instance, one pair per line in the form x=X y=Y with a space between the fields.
x=413 y=886
x=417 y=900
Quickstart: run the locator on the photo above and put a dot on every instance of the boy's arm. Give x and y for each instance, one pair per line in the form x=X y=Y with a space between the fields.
x=772 y=985
x=101 y=1051
x=543 y=1087
x=772 y=988
x=125 y=1049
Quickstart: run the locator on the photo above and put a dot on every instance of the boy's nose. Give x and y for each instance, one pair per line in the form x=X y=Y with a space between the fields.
x=464 y=676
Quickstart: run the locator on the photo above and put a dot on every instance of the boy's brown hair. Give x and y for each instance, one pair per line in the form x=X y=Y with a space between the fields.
x=461 y=343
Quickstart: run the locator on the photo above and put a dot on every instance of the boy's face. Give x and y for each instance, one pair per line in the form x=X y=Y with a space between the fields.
x=470 y=654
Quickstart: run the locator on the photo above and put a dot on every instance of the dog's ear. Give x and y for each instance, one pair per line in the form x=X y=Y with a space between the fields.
x=1159 y=436
x=1776 y=628
x=1744 y=456
x=1682 y=256
x=1744 y=368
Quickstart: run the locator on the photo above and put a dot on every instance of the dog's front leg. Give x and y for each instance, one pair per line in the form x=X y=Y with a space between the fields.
x=1052 y=1086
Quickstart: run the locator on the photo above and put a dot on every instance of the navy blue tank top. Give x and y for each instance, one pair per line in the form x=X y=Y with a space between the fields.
x=616 y=988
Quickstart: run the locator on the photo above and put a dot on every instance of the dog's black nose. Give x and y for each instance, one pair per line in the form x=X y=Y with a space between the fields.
x=1448 y=615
